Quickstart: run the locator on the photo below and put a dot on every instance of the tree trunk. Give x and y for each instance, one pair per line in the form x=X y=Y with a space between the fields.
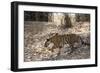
x=63 y=20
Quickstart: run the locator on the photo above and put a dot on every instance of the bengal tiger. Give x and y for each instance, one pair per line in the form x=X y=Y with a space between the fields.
x=60 y=40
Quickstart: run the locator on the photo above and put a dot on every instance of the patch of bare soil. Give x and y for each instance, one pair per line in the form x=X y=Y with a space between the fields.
x=37 y=33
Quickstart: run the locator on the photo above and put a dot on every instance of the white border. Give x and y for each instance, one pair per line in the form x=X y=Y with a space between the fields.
x=22 y=64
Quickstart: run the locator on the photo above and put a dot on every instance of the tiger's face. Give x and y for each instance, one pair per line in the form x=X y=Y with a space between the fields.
x=47 y=42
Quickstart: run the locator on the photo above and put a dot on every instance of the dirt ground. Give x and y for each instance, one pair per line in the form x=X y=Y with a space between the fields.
x=36 y=34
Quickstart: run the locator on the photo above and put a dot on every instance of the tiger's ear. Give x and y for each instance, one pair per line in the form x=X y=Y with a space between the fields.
x=56 y=34
x=48 y=39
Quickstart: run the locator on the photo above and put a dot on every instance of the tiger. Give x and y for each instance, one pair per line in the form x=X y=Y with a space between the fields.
x=60 y=40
